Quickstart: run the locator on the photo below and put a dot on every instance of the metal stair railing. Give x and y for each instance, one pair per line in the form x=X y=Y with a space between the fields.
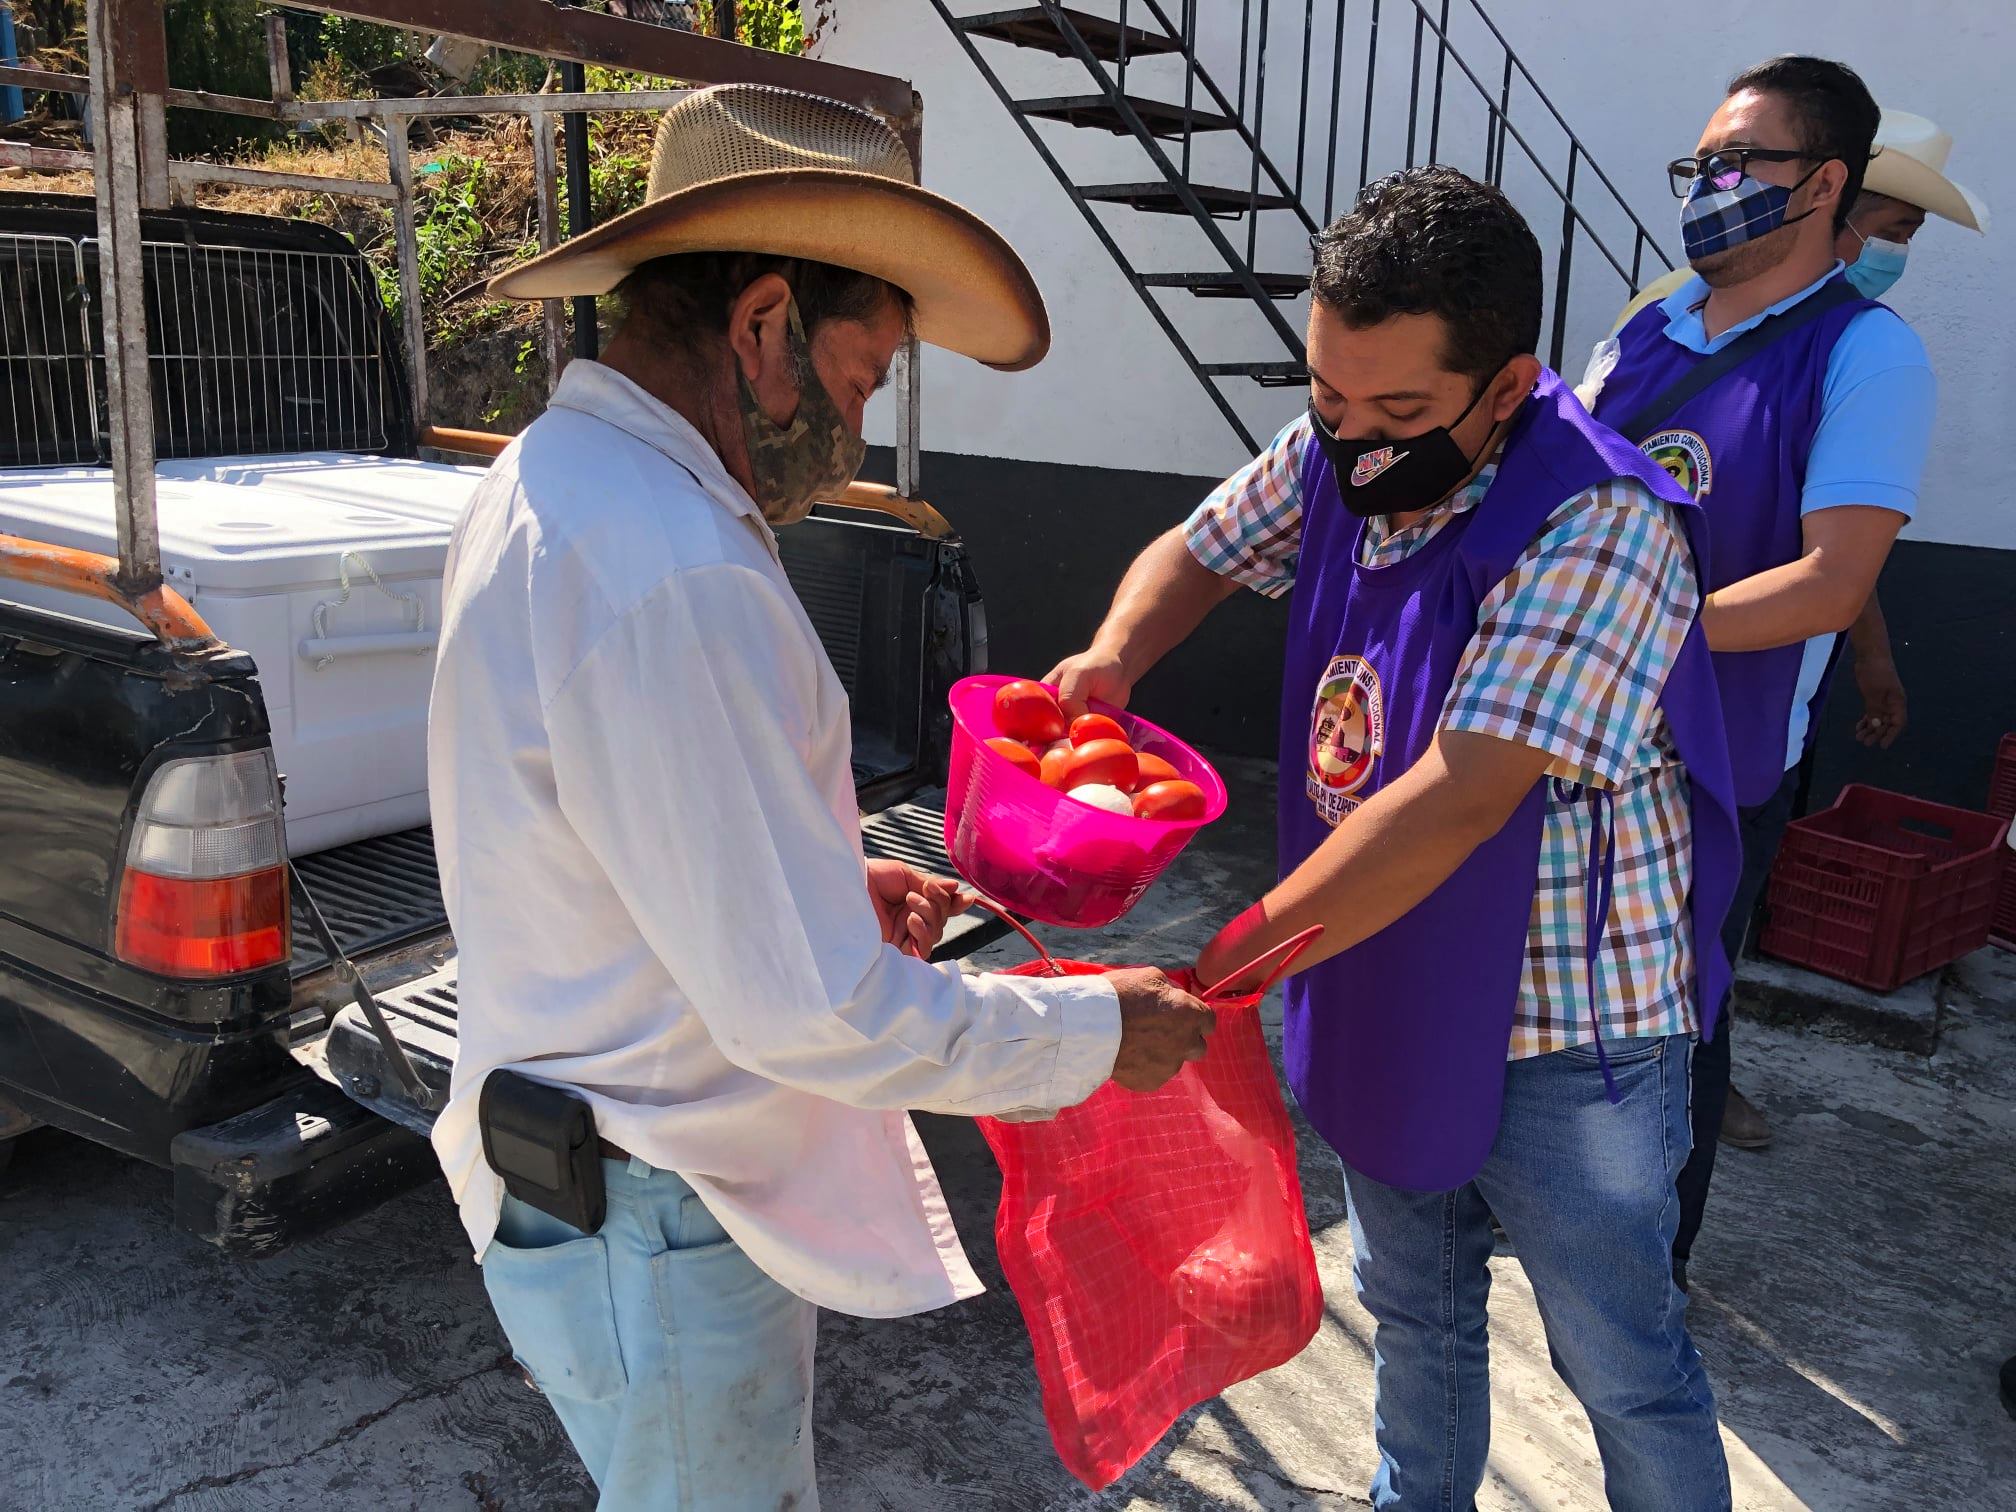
x=1501 y=127
x=1135 y=98
x=1074 y=44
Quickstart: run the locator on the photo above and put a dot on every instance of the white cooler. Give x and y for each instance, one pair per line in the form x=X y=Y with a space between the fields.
x=263 y=548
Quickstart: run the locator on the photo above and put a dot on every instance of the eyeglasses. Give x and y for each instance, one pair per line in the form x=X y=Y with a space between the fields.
x=1724 y=170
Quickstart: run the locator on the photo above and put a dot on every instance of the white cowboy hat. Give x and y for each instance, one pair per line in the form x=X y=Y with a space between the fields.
x=752 y=168
x=1909 y=164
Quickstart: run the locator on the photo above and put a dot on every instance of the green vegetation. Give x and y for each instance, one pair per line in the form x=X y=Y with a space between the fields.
x=220 y=46
x=772 y=24
x=450 y=233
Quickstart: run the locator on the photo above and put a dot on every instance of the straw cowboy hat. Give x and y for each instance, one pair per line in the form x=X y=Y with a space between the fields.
x=1909 y=164
x=751 y=168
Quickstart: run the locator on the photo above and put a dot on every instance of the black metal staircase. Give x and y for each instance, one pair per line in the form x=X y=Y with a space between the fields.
x=1211 y=159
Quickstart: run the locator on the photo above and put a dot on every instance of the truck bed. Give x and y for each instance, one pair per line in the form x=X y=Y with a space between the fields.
x=375 y=895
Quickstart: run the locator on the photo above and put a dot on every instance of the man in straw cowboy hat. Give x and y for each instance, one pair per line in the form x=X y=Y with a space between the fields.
x=645 y=815
x=1798 y=411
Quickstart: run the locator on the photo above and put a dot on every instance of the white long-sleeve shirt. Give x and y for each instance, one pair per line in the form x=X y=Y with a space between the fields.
x=644 y=810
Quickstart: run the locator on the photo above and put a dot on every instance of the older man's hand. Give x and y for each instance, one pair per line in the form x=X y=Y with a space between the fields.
x=912 y=906
x=1161 y=1027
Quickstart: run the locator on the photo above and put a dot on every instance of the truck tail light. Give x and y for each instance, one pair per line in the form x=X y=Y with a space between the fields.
x=204 y=892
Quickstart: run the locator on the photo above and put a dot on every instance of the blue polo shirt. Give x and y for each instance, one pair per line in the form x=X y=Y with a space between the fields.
x=1876 y=410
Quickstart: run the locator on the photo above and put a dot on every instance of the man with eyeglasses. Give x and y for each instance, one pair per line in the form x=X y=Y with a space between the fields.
x=1798 y=412
x=1905 y=184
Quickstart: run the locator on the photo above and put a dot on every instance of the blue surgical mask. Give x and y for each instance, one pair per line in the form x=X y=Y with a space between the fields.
x=1879 y=265
x=1714 y=220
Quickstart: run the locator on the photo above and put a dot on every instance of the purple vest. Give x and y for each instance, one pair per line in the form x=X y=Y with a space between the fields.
x=1396 y=1047
x=1739 y=447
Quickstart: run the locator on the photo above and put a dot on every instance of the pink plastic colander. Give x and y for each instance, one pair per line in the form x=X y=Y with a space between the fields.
x=1045 y=854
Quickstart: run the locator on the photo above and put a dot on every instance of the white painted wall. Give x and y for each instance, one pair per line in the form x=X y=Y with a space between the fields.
x=1632 y=78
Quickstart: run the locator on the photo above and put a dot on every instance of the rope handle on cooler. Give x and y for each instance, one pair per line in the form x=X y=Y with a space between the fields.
x=1288 y=952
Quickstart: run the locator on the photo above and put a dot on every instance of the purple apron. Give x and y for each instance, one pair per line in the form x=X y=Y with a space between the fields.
x=1739 y=448
x=1396 y=1047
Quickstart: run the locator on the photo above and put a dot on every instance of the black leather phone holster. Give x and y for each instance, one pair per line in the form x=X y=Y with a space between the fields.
x=541 y=1141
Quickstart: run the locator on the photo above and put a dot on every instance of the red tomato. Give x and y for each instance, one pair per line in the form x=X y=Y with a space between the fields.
x=1109 y=761
x=1025 y=711
x=1154 y=769
x=1087 y=728
x=1018 y=753
x=1174 y=800
x=1053 y=763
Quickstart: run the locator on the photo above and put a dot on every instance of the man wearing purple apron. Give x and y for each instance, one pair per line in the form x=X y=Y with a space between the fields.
x=1804 y=454
x=1505 y=795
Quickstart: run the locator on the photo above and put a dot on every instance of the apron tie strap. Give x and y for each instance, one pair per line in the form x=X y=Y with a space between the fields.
x=1598 y=882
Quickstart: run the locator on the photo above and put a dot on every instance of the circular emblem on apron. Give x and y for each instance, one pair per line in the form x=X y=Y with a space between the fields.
x=1684 y=454
x=1347 y=731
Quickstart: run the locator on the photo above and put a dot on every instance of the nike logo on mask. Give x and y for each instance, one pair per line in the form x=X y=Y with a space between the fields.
x=1371 y=464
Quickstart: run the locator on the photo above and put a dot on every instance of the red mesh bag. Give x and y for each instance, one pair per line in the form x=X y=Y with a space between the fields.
x=1156 y=1242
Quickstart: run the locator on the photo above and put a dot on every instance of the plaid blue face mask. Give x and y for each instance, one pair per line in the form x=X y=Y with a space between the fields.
x=1714 y=219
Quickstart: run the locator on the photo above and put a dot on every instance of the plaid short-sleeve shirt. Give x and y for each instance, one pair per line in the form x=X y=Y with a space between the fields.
x=1571 y=653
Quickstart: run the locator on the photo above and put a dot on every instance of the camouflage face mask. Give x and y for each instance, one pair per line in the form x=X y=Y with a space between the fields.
x=793 y=467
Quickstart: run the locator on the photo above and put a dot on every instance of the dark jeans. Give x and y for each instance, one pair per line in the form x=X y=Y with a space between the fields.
x=1761 y=828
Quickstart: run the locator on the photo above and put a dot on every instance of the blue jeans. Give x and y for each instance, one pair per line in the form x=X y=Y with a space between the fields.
x=1584 y=1190
x=681 y=1372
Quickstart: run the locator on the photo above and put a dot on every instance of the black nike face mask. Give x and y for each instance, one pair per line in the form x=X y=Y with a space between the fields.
x=1387 y=477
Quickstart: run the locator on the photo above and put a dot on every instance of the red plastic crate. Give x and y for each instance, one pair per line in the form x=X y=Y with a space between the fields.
x=2002 y=804
x=1882 y=887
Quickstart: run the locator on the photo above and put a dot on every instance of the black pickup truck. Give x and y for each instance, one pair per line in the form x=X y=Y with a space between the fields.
x=166 y=983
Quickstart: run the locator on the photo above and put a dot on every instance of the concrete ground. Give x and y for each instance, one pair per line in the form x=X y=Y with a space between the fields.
x=1854 y=1295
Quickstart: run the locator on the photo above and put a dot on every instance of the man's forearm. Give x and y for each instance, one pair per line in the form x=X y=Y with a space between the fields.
x=1841 y=554
x=1885 y=707
x=1870 y=634
x=1165 y=596
x=1783 y=607
x=1387 y=855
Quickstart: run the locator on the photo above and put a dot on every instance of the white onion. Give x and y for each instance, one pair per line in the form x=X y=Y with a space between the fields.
x=1102 y=795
